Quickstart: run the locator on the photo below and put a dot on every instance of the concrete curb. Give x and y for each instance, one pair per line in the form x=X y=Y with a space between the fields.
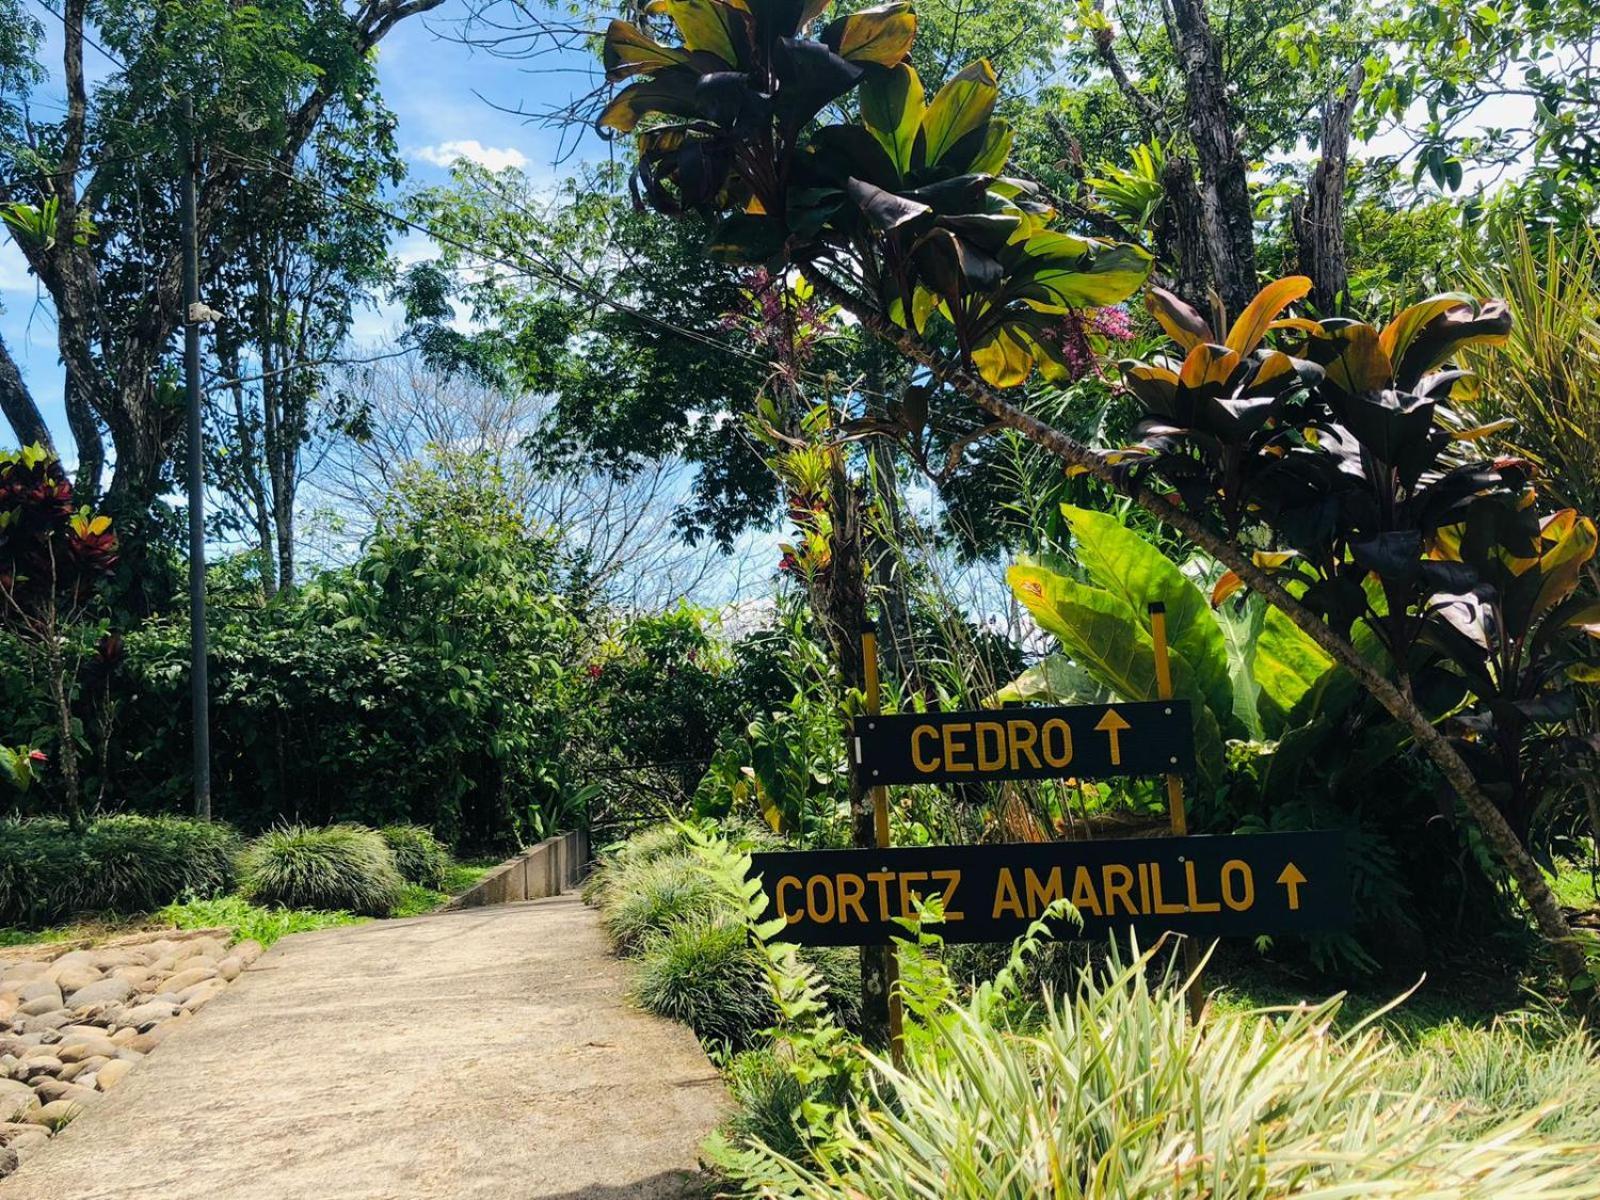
x=555 y=865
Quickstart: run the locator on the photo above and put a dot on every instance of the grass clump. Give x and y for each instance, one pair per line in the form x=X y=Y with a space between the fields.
x=1520 y=1063
x=647 y=898
x=420 y=857
x=252 y=921
x=704 y=972
x=336 y=867
x=119 y=865
x=1115 y=1093
x=767 y=1099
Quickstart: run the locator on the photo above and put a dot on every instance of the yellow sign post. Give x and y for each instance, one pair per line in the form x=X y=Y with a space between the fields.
x=880 y=825
x=1176 y=812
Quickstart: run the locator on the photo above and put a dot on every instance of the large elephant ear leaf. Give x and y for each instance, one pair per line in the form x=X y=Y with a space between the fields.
x=881 y=36
x=1053 y=680
x=1259 y=314
x=1101 y=634
x=1096 y=629
x=1138 y=574
x=1285 y=664
x=961 y=105
x=892 y=107
x=629 y=50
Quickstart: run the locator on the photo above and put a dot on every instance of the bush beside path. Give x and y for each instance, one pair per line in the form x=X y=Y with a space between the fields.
x=482 y=1053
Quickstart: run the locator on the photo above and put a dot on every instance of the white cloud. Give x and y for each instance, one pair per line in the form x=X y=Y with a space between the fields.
x=14 y=275
x=495 y=158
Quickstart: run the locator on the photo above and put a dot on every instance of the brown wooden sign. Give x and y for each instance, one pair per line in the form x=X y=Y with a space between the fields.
x=1241 y=885
x=1086 y=741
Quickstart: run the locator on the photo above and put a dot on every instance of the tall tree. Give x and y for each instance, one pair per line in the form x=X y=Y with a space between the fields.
x=289 y=295
x=92 y=194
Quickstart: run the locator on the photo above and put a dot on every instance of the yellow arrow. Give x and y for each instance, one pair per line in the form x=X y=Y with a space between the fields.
x=1292 y=879
x=1112 y=725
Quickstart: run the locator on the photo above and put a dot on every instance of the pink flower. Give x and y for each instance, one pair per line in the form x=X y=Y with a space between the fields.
x=38 y=756
x=1113 y=323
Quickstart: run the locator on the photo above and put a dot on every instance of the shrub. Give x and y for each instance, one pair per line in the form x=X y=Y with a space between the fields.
x=334 y=867
x=1118 y=1094
x=420 y=857
x=704 y=972
x=119 y=865
x=767 y=1098
x=645 y=899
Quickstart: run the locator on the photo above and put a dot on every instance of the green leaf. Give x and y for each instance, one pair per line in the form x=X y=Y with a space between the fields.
x=1004 y=356
x=881 y=36
x=892 y=108
x=991 y=158
x=1286 y=664
x=961 y=105
x=629 y=50
x=1130 y=568
x=1055 y=680
x=1055 y=271
x=706 y=25
x=671 y=93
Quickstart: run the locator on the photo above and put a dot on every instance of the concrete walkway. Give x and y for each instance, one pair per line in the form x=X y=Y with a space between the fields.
x=483 y=1053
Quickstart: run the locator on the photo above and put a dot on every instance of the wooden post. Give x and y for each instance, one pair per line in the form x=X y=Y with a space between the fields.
x=1176 y=811
x=880 y=824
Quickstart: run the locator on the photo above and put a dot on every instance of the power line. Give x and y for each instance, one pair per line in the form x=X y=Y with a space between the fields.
x=110 y=57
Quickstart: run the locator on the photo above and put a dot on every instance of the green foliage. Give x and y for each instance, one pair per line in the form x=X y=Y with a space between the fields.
x=1113 y=1091
x=435 y=682
x=1527 y=1062
x=420 y=857
x=656 y=895
x=915 y=191
x=767 y=1098
x=118 y=865
x=702 y=970
x=253 y=921
x=334 y=867
x=1453 y=60
x=662 y=691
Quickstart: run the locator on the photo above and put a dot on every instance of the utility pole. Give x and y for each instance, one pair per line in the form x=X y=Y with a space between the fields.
x=198 y=682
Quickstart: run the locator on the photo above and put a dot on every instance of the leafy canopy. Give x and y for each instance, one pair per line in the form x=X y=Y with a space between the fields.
x=909 y=200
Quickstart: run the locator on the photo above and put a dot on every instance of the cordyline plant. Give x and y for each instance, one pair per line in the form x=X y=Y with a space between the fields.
x=904 y=218
x=53 y=557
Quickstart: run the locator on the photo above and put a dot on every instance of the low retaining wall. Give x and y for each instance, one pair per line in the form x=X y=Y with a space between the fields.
x=554 y=866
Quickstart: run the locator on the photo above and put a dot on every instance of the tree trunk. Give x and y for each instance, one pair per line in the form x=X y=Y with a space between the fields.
x=1183 y=235
x=1564 y=945
x=1224 y=177
x=1318 y=216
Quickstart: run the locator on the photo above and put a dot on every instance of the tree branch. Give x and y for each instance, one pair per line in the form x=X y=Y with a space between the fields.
x=17 y=403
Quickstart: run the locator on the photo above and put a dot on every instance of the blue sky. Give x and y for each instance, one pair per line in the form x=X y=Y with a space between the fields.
x=449 y=99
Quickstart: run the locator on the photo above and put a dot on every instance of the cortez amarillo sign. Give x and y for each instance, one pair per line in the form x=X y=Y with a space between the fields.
x=1205 y=886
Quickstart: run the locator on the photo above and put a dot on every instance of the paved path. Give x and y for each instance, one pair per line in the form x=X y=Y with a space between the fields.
x=484 y=1053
